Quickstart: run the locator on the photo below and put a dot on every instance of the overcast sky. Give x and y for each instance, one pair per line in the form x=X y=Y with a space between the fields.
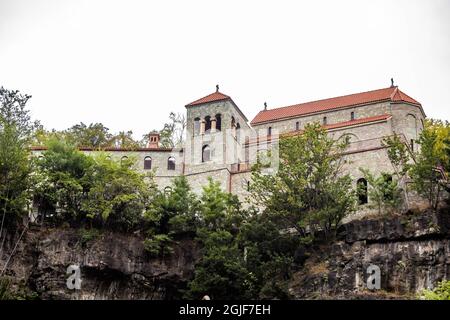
x=127 y=64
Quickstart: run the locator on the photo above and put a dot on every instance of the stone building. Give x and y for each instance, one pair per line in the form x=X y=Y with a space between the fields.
x=221 y=143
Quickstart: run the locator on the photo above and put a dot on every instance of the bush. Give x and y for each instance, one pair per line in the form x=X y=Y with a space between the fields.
x=441 y=292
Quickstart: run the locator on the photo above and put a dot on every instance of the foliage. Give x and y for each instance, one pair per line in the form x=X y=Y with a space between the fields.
x=268 y=256
x=65 y=178
x=88 y=235
x=16 y=129
x=77 y=187
x=159 y=245
x=441 y=292
x=221 y=273
x=119 y=195
x=96 y=135
x=425 y=172
x=13 y=113
x=309 y=191
x=17 y=292
x=384 y=192
x=15 y=173
x=172 y=134
x=124 y=140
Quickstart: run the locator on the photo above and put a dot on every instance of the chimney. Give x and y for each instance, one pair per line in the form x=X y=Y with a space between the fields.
x=153 y=140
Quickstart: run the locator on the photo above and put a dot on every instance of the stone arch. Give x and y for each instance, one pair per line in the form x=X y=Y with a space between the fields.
x=353 y=137
x=197 y=126
x=218 y=122
x=411 y=126
x=361 y=187
x=171 y=163
x=206 y=153
x=147 y=163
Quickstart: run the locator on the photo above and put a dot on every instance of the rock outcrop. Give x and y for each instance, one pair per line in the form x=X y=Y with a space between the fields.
x=412 y=252
x=113 y=266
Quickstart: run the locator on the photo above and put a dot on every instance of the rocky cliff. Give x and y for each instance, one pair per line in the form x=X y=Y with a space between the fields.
x=412 y=252
x=113 y=266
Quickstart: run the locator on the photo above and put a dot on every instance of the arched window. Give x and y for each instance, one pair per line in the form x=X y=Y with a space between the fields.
x=361 y=185
x=324 y=120
x=147 y=163
x=248 y=185
x=207 y=124
x=171 y=163
x=269 y=131
x=167 y=190
x=218 y=122
x=297 y=126
x=238 y=131
x=412 y=144
x=123 y=160
x=352 y=115
x=206 y=153
x=108 y=158
x=196 y=126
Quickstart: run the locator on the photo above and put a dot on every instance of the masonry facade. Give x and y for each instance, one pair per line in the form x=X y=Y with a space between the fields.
x=219 y=137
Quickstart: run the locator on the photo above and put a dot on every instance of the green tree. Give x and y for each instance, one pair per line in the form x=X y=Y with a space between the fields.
x=13 y=112
x=309 y=190
x=96 y=135
x=171 y=213
x=441 y=292
x=15 y=174
x=400 y=158
x=172 y=134
x=65 y=178
x=269 y=255
x=124 y=140
x=221 y=273
x=384 y=192
x=118 y=196
x=426 y=172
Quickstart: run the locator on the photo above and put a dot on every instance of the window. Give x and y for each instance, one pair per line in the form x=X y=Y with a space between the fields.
x=218 y=122
x=147 y=163
x=361 y=185
x=297 y=126
x=248 y=186
x=324 y=120
x=352 y=116
x=238 y=131
x=123 y=160
x=196 y=126
x=412 y=144
x=207 y=124
x=269 y=131
x=171 y=163
x=206 y=153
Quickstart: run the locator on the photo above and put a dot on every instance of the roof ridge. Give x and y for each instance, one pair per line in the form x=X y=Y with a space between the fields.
x=342 y=96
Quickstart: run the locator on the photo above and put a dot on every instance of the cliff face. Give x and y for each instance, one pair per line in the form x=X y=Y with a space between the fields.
x=113 y=266
x=412 y=252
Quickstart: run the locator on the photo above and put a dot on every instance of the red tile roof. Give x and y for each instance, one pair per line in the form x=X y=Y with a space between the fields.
x=216 y=96
x=329 y=127
x=387 y=94
x=44 y=148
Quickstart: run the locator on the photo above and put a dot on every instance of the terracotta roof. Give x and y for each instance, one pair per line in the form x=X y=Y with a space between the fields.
x=329 y=126
x=43 y=148
x=216 y=96
x=387 y=94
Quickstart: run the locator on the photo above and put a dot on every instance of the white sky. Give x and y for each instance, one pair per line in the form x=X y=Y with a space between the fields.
x=127 y=64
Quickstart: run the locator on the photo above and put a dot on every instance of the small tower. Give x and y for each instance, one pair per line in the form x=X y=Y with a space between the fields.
x=153 y=140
